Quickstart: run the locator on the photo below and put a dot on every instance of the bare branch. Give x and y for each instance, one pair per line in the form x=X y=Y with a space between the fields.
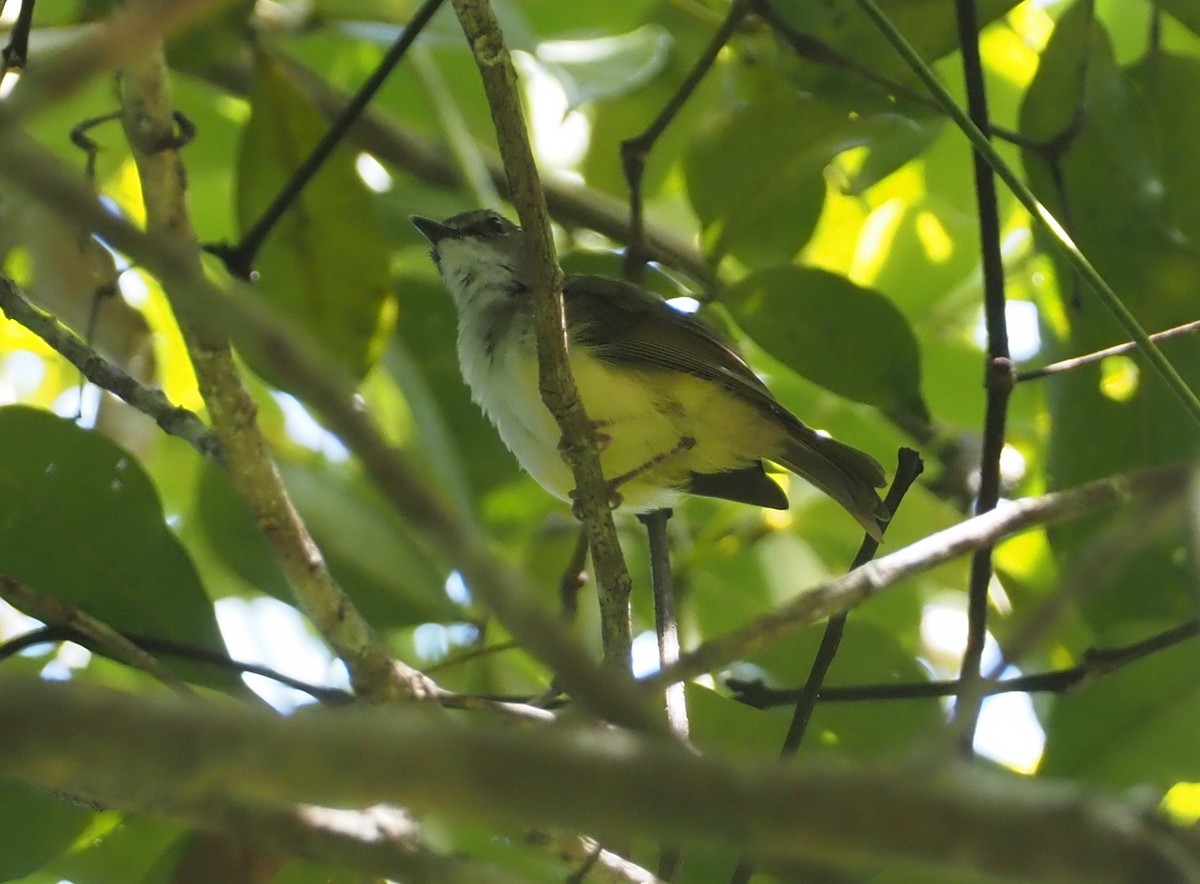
x=842 y=593
x=149 y=121
x=27 y=167
x=97 y=632
x=150 y=401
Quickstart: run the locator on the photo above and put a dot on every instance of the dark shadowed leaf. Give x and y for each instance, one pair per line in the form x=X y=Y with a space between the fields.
x=37 y=827
x=80 y=521
x=325 y=264
x=1135 y=726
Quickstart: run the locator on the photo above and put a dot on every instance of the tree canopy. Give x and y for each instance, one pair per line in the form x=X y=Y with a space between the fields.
x=234 y=427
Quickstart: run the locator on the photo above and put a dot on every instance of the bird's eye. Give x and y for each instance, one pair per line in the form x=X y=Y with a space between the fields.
x=497 y=225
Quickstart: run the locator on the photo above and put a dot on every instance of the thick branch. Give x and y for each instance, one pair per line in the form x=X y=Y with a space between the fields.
x=134 y=751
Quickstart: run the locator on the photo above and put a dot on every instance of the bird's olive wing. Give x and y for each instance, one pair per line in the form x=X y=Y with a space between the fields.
x=620 y=322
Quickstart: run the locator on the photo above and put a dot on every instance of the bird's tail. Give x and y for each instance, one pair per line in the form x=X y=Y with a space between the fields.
x=846 y=474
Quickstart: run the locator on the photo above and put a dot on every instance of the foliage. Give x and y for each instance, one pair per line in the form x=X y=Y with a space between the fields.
x=834 y=220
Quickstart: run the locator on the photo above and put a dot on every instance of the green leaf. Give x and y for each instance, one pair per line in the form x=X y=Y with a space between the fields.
x=928 y=25
x=1135 y=726
x=81 y=522
x=869 y=654
x=370 y=549
x=126 y=852
x=37 y=827
x=1186 y=11
x=325 y=264
x=848 y=339
x=756 y=177
x=1124 y=211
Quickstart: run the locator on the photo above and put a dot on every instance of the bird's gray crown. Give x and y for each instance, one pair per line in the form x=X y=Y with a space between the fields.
x=480 y=254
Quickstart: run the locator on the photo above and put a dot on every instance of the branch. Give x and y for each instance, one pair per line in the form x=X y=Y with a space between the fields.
x=1097 y=663
x=150 y=401
x=135 y=751
x=28 y=168
x=557 y=384
x=96 y=633
x=999 y=376
x=239 y=259
x=1087 y=359
x=831 y=597
x=148 y=117
x=121 y=36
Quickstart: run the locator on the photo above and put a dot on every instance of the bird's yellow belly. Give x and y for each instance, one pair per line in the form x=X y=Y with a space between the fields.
x=655 y=428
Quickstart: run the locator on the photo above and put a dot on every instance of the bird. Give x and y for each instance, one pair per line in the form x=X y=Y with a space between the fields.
x=677 y=409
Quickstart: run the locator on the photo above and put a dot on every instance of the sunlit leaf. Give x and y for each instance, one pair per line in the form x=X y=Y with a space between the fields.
x=606 y=66
x=1107 y=182
x=848 y=339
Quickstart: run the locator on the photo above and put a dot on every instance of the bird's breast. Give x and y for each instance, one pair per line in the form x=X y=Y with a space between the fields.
x=657 y=427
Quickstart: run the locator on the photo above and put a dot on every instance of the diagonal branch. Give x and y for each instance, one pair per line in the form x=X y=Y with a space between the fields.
x=831 y=597
x=148 y=117
x=150 y=401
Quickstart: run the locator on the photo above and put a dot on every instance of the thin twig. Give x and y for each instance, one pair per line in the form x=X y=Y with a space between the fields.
x=570 y=203
x=1096 y=663
x=149 y=122
x=149 y=400
x=97 y=633
x=666 y=625
x=666 y=630
x=635 y=151
x=28 y=168
x=68 y=629
x=998 y=375
x=830 y=597
x=239 y=259
x=574 y=578
x=555 y=380
x=909 y=467
x=1040 y=214
x=15 y=54
x=1087 y=359
x=1103 y=555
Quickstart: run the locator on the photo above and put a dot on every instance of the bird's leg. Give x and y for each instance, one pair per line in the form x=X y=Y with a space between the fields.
x=685 y=443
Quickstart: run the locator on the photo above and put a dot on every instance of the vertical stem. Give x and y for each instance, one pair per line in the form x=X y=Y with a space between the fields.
x=555 y=381
x=666 y=629
x=999 y=379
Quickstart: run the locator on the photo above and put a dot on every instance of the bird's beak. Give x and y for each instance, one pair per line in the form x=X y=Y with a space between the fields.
x=430 y=229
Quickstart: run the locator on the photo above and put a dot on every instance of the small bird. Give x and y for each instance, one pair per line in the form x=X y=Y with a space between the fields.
x=676 y=408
